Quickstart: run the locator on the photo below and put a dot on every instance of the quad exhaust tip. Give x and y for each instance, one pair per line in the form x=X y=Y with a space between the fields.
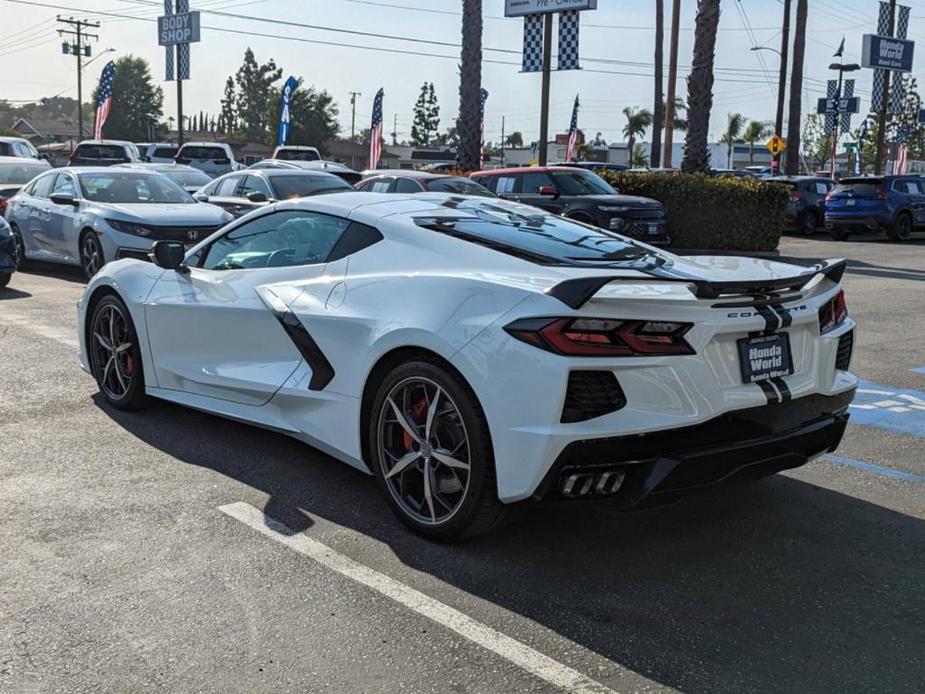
x=575 y=485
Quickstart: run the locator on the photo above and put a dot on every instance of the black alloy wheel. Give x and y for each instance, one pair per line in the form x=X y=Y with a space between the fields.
x=115 y=355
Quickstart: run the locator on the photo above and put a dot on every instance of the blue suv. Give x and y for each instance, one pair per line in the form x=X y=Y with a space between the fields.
x=893 y=204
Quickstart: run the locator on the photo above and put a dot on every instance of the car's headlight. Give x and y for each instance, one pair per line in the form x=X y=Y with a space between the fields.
x=129 y=227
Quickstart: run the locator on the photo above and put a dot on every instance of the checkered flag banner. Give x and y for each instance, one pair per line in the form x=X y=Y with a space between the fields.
x=568 y=40
x=847 y=93
x=168 y=50
x=533 y=43
x=830 y=93
x=183 y=48
x=883 y=28
x=896 y=92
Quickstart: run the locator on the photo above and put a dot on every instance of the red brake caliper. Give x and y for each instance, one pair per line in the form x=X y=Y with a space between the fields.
x=417 y=410
x=129 y=365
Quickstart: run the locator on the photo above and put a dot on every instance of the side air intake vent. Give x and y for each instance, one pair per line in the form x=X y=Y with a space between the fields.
x=845 y=347
x=591 y=394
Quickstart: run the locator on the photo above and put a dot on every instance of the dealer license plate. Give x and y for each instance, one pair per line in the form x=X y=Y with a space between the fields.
x=766 y=357
x=653 y=229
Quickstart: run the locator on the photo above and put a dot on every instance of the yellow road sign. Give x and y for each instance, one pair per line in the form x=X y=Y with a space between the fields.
x=776 y=145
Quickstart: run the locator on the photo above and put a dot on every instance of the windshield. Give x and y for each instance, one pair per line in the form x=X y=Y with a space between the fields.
x=128 y=188
x=456 y=184
x=302 y=186
x=580 y=183
x=20 y=173
x=297 y=155
x=188 y=178
x=533 y=235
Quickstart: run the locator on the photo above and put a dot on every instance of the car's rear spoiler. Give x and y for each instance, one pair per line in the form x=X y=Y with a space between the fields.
x=577 y=292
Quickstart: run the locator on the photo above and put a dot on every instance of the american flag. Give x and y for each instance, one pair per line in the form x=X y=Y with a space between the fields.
x=901 y=165
x=375 y=132
x=573 y=133
x=104 y=100
x=483 y=94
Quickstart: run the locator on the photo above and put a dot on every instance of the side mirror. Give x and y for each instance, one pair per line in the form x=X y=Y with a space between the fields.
x=65 y=199
x=201 y=197
x=257 y=196
x=548 y=190
x=168 y=255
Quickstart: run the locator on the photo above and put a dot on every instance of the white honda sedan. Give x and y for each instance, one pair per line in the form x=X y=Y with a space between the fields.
x=90 y=216
x=474 y=353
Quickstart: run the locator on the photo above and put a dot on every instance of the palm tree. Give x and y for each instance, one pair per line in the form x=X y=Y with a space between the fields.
x=637 y=120
x=658 y=115
x=754 y=131
x=700 y=88
x=734 y=122
x=679 y=108
x=796 y=91
x=470 y=85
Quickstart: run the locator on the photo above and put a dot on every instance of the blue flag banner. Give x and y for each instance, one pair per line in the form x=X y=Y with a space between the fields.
x=291 y=85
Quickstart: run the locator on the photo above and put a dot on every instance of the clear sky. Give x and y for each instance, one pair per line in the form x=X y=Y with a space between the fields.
x=617 y=44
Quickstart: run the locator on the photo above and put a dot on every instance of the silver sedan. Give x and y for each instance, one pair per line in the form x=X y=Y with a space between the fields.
x=90 y=216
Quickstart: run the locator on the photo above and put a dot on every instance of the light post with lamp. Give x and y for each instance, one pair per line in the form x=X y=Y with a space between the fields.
x=781 y=95
x=836 y=130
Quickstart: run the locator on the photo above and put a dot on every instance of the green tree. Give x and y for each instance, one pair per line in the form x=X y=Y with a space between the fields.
x=680 y=123
x=817 y=145
x=426 y=116
x=312 y=117
x=254 y=90
x=754 y=131
x=515 y=140
x=137 y=104
x=733 y=134
x=450 y=138
x=637 y=121
x=228 y=118
x=469 y=124
x=700 y=88
x=638 y=156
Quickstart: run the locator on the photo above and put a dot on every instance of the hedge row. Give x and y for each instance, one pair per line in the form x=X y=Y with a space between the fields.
x=735 y=214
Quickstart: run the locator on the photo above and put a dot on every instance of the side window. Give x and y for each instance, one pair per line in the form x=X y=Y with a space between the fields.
x=504 y=184
x=42 y=187
x=281 y=239
x=530 y=183
x=379 y=185
x=255 y=184
x=228 y=188
x=406 y=185
x=914 y=187
x=356 y=238
x=822 y=188
x=64 y=185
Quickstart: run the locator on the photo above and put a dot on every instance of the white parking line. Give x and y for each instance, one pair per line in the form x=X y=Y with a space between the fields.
x=521 y=655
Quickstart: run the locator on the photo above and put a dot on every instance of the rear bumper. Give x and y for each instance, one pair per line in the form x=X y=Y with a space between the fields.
x=663 y=466
x=865 y=222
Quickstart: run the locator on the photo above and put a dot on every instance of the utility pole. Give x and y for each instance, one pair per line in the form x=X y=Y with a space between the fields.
x=885 y=99
x=796 y=91
x=81 y=50
x=502 y=141
x=394 y=129
x=544 y=110
x=672 y=80
x=782 y=82
x=353 y=113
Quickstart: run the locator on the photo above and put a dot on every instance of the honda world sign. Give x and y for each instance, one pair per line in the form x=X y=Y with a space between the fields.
x=887 y=53
x=174 y=29
x=520 y=8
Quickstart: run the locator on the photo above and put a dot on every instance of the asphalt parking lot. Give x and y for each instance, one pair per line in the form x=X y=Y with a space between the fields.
x=171 y=550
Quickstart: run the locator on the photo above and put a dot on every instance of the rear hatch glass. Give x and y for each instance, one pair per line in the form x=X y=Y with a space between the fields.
x=865 y=189
x=297 y=155
x=100 y=152
x=204 y=154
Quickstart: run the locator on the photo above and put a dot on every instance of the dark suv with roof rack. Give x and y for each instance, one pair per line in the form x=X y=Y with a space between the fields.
x=580 y=195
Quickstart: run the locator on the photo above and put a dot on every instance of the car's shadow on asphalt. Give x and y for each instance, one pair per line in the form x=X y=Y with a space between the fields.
x=68 y=273
x=7 y=293
x=774 y=586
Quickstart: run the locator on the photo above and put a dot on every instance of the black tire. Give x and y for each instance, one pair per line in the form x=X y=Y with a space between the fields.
x=91 y=254
x=901 y=230
x=477 y=509
x=809 y=223
x=839 y=233
x=19 y=248
x=118 y=372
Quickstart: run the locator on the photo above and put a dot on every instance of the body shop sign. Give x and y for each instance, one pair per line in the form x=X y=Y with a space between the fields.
x=519 y=8
x=887 y=53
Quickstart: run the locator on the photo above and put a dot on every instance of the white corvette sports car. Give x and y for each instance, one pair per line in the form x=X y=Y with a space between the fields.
x=473 y=353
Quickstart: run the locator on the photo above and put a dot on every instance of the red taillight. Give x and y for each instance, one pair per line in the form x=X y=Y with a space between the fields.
x=603 y=337
x=882 y=195
x=3 y=202
x=796 y=197
x=833 y=313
